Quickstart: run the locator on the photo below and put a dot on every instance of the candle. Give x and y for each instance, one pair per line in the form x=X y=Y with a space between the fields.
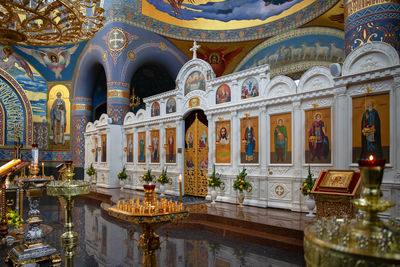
x=180 y=187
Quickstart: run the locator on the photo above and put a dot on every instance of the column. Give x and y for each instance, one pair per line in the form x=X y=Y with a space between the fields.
x=117 y=101
x=211 y=142
x=235 y=141
x=367 y=21
x=148 y=143
x=162 y=147
x=81 y=112
x=395 y=161
x=180 y=145
x=342 y=158
x=298 y=154
x=264 y=134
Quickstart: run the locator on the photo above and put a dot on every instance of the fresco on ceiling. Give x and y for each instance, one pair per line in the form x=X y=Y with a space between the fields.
x=297 y=50
x=218 y=58
x=222 y=15
x=55 y=63
x=33 y=84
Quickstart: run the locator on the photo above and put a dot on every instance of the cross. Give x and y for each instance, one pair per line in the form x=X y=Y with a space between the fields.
x=279 y=190
x=194 y=49
x=115 y=40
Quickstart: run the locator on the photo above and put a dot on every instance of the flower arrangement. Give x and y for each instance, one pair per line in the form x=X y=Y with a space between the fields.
x=13 y=218
x=215 y=180
x=148 y=177
x=163 y=178
x=91 y=171
x=241 y=183
x=122 y=174
x=308 y=184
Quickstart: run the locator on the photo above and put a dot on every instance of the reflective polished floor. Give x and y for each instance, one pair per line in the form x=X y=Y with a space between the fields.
x=104 y=241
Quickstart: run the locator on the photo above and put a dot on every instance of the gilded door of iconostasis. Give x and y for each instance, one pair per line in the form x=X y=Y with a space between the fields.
x=196 y=157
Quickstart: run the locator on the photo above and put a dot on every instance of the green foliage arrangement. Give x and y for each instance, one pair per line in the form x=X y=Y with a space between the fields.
x=241 y=183
x=13 y=218
x=164 y=179
x=91 y=171
x=215 y=179
x=122 y=174
x=148 y=177
x=308 y=184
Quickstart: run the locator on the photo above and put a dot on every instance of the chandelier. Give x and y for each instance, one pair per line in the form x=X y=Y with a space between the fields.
x=49 y=22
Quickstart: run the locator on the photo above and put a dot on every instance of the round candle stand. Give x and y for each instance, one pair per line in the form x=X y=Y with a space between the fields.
x=33 y=249
x=149 y=214
x=68 y=189
x=364 y=241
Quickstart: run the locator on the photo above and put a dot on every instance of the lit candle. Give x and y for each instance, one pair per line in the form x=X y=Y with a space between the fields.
x=180 y=187
x=42 y=169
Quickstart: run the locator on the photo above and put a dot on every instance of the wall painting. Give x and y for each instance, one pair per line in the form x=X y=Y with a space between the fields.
x=58 y=114
x=171 y=106
x=318 y=135
x=249 y=138
x=155 y=109
x=250 y=88
x=142 y=147
x=170 y=136
x=371 y=127
x=195 y=81
x=129 y=146
x=223 y=142
x=155 y=146
x=223 y=94
x=96 y=144
x=103 y=148
x=281 y=138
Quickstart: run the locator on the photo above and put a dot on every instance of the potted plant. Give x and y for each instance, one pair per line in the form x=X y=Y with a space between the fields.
x=240 y=185
x=91 y=172
x=163 y=179
x=306 y=191
x=215 y=182
x=122 y=175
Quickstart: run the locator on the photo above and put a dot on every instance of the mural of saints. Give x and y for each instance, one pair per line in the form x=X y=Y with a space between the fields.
x=219 y=58
x=170 y=134
x=58 y=116
x=280 y=141
x=129 y=151
x=9 y=59
x=55 y=59
x=103 y=148
x=249 y=137
x=318 y=135
x=223 y=142
x=371 y=127
x=155 y=146
x=141 y=147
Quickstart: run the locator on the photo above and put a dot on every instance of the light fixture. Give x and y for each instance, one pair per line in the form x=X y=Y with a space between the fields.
x=134 y=100
x=49 y=22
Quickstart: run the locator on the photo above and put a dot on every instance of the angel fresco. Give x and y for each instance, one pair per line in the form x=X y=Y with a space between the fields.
x=55 y=59
x=9 y=60
x=218 y=58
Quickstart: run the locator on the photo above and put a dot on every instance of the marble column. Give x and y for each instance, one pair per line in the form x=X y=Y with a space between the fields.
x=367 y=21
x=235 y=141
x=117 y=101
x=211 y=142
x=396 y=119
x=342 y=133
x=81 y=112
x=162 y=148
x=264 y=140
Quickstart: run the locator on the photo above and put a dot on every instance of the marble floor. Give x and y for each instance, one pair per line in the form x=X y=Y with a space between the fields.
x=213 y=235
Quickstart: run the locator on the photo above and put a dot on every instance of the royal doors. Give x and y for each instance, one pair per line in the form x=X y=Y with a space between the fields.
x=196 y=158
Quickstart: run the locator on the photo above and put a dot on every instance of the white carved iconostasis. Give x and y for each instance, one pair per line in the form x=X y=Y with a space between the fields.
x=266 y=126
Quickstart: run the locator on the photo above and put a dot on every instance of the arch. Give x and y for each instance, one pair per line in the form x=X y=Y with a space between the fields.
x=280 y=86
x=26 y=107
x=194 y=65
x=315 y=78
x=2 y=125
x=370 y=56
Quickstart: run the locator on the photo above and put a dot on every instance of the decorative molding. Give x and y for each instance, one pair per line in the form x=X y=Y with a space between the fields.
x=315 y=78
x=280 y=86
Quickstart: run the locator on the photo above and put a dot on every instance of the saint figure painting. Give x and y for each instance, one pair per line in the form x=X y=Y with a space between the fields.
x=223 y=142
x=170 y=134
x=142 y=146
x=249 y=137
x=280 y=141
x=318 y=135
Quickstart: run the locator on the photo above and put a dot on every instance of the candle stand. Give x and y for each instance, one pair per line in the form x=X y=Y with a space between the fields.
x=68 y=189
x=149 y=215
x=364 y=241
x=33 y=249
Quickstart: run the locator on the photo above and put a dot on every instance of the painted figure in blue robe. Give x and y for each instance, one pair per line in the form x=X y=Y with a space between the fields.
x=371 y=133
x=251 y=142
x=141 y=148
x=280 y=139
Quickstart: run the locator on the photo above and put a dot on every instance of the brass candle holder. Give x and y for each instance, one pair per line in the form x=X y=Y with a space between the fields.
x=68 y=188
x=364 y=241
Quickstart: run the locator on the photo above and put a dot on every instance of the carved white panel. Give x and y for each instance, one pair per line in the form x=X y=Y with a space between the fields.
x=129 y=118
x=90 y=127
x=315 y=78
x=280 y=108
x=279 y=191
x=193 y=65
x=376 y=86
x=279 y=86
x=321 y=102
x=141 y=115
x=103 y=121
x=370 y=56
x=280 y=171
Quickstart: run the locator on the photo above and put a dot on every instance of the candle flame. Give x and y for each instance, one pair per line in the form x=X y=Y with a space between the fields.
x=371 y=158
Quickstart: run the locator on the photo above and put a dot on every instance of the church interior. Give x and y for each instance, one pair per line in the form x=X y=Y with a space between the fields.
x=200 y=133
